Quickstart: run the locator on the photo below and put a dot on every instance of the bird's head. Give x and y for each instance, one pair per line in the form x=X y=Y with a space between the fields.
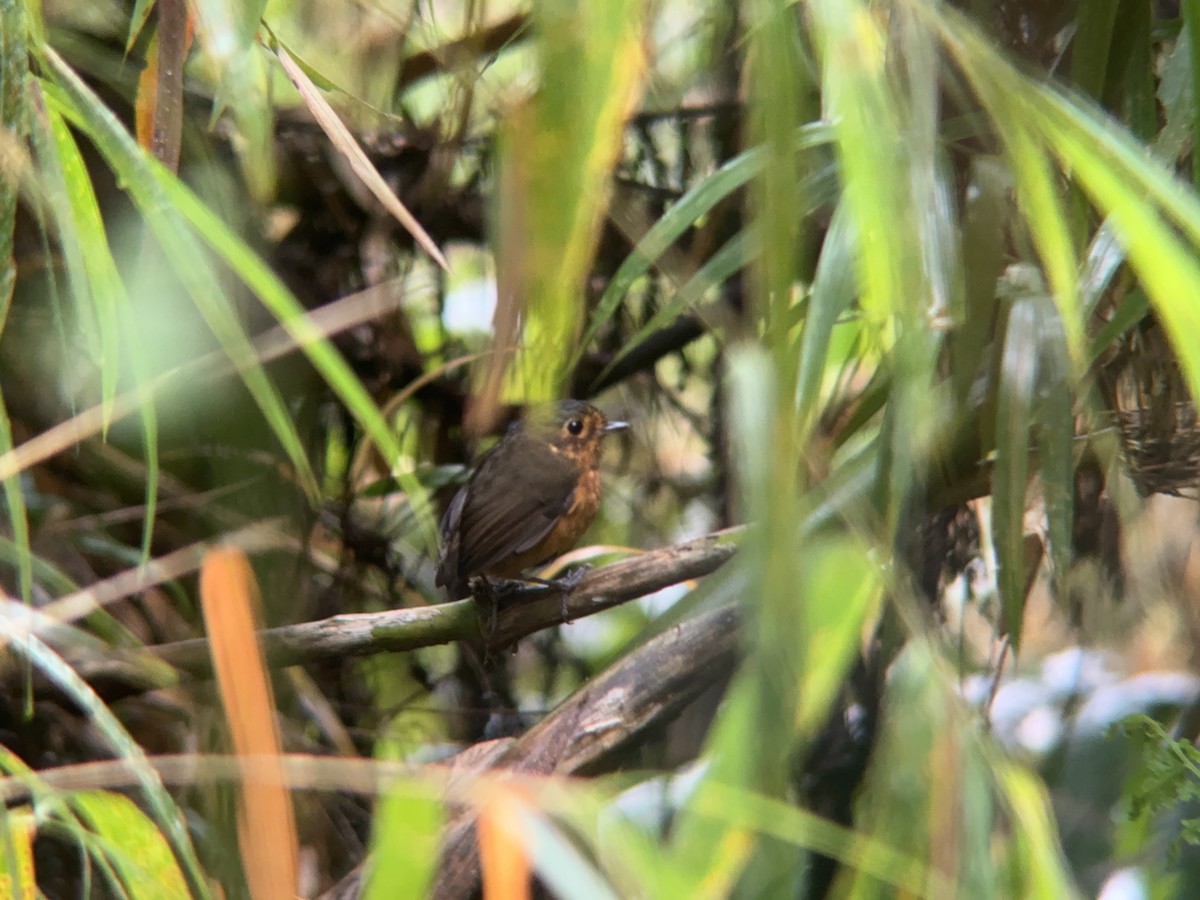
x=571 y=428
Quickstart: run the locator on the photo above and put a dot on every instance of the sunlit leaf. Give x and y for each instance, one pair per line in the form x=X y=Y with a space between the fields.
x=139 y=852
x=17 y=829
x=559 y=148
x=404 y=843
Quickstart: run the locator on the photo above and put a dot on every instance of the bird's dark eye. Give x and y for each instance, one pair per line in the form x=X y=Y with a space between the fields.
x=575 y=427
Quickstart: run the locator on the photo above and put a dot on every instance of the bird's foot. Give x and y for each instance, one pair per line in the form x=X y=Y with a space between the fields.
x=564 y=585
x=487 y=596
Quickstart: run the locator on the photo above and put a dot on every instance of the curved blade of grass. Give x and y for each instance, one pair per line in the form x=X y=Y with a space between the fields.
x=404 y=845
x=137 y=21
x=14 y=78
x=885 y=142
x=323 y=81
x=1104 y=259
x=1014 y=418
x=56 y=806
x=833 y=289
x=55 y=669
x=1191 y=22
x=817 y=190
x=1093 y=45
x=1040 y=844
x=801 y=828
x=14 y=122
x=1131 y=311
x=1003 y=93
x=1055 y=424
x=18 y=827
x=556 y=859
x=146 y=180
x=1118 y=177
x=855 y=89
x=83 y=227
x=682 y=215
x=170 y=203
x=1175 y=95
x=985 y=224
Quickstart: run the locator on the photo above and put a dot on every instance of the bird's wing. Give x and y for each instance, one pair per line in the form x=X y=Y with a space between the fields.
x=514 y=512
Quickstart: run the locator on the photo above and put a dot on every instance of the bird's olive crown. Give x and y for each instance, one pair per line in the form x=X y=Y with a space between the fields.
x=565 y=424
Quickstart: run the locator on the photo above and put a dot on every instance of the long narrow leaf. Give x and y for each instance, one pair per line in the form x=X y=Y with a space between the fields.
x=1014 y=418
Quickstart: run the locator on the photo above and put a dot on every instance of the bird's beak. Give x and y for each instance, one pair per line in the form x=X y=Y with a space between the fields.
x=615 y=426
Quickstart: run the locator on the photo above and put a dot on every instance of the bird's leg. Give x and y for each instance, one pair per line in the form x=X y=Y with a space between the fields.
x=495 y=593
x=564 y=585
x=485 y=591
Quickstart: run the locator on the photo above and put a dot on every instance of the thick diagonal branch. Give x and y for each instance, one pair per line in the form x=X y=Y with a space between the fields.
x=635 y=695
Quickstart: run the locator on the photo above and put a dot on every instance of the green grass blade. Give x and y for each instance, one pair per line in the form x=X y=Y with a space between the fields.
x=140 y=856
x=226 y=34
x=170 y=206
x=1004 y=95
x=833 y=291
x=985 y=223
x=1014 y=418
x=73 y=99
x=168 y=815
x=1191 y=22
x=698 y=201
x=1055 y=423
x=404 y=844
x=1091 y=48
x=81 y=228
x=557 y=152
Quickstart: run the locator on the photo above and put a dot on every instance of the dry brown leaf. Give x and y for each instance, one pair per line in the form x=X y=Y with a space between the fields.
x=266 y=819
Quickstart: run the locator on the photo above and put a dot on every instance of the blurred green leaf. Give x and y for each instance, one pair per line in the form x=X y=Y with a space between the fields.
x=137 y=21
x=840 y=592
x=1092 y=45
x=1055 y=422
x=834 y=288
x=986 y=220
x=559 y=864
x=406 y=830
x=923 y=788
x=1006 y=98
x=151 y=186
x=226 y=33
x=1040 y=856
x=559 y=147
x=95 y=274
x=1191 y=23
x=168 y=815
x=1016 y=396
x=696 y=202
x=18 y=826
x=138 y=851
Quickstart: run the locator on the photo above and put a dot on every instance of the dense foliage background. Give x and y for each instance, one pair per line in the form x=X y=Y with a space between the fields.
x=900 y=298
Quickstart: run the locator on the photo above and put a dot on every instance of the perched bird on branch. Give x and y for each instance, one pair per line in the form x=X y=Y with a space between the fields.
x=530 y=498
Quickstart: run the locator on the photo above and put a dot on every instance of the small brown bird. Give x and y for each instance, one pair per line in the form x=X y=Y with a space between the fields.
x=530 y=498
